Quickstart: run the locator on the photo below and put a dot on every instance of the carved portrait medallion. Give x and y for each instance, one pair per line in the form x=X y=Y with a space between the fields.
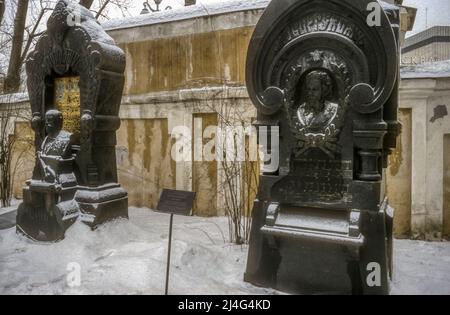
x=318 y=111
x=315 y=102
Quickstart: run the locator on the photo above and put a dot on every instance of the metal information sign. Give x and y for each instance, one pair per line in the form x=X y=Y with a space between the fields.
x=174 y=202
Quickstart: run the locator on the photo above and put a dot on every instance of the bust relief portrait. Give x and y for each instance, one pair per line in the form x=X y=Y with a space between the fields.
x=315 y=104
x=56 y=146
x=318 y=111
x=57 y=141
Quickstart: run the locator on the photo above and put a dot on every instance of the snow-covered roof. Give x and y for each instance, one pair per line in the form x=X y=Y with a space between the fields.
x=437 y=69
x=14 y=98
x=388 y=6
x=202 y=8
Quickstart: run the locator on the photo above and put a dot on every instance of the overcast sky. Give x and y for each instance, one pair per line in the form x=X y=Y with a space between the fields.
x=438 y=13
x=136 y=7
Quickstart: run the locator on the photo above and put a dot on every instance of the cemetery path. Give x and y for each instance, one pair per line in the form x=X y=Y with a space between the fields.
x=128 y=257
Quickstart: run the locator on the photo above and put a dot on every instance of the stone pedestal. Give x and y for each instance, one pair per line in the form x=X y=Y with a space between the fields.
x=101 y=204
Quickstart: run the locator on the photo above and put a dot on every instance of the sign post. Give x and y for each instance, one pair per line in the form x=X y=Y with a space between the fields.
x=174 y=202
x=168 y=254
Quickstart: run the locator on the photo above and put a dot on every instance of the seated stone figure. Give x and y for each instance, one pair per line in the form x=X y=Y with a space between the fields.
x=55 y=148
x=57 y=141
x=49 y=207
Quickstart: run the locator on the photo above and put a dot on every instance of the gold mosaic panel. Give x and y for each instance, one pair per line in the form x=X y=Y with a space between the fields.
x=67 y=100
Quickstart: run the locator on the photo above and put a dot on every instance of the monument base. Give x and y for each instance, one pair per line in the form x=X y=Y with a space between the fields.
x=320 y=251
x=46 y=212
x=101 y=204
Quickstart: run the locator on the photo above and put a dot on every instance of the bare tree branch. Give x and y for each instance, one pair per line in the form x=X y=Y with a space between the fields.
x=12 y=80
x=86 y=3
x=8 y=116
x=33 y=34
x=2 y=10
x=18 y=39
x=102 y=8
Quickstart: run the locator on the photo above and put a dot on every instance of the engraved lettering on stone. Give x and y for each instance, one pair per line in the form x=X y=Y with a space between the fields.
x=322 y=180
x=325 y=22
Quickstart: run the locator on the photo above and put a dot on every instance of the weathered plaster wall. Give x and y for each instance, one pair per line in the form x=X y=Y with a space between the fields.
x=144 y=163
x=447 y=186
x=178 y=71
x=438 y=125
x=204 y=173
x=16 y=108
x=198 y=59
x=428 y=100
x=23 y=156
x=398 y=183
x=194 y=109
x=202 y=51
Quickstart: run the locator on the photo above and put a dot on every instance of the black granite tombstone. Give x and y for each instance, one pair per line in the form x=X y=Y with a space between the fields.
x=75 y=173
x=326 y=73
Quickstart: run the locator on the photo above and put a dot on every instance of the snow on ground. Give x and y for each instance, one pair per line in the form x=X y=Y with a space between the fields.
x=421 y=268
x=129 y=257
x=14 y=204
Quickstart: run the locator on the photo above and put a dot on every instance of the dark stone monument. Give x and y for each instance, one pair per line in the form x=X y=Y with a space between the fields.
x=319 y=71
x=75 y=84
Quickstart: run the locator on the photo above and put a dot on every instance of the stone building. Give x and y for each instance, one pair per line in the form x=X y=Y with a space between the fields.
x=430 y=45
x=418 y=182
x=186 y=67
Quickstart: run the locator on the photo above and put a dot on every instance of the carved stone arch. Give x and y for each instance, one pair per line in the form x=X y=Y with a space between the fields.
x=330 y=145
x=341 y=59
x=80 y=47
x=347 y=56
x=75 y=174
x=284 y=23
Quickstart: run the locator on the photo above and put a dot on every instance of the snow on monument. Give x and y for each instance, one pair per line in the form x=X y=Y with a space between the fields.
x=75 y=82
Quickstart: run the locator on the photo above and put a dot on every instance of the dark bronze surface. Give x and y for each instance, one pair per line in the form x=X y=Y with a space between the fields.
x=176 y=202
x=317 y=70
x=79 y=177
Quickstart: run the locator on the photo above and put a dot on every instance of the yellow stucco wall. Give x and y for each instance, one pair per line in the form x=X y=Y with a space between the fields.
x=23 y=156
x=202 y=59
x=180 y=62
x=144 y=162
x=204 y=174
x=398 y=182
